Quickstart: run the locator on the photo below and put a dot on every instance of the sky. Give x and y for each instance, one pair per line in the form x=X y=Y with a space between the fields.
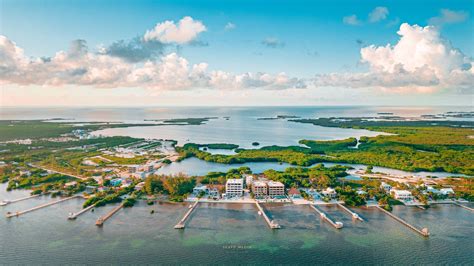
x=233 y=53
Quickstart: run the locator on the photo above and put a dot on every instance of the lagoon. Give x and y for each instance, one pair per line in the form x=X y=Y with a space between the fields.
x=196 y=167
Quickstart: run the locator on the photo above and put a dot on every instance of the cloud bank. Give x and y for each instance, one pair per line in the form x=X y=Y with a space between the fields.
x=421 y=61
x=79 y=66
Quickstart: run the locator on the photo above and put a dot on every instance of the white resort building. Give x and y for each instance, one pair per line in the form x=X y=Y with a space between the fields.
x=404 y=195
x=329 y=192
x=234 y=188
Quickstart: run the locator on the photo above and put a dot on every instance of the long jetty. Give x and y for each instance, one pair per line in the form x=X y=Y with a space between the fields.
x=337 y=225
x=74 y=215
x=104 y=218
x=463 y=206
x=354 y=215
x=270 y=223
x=12 y=214
x=423 y=232
x=181 y=224
x=6 y=202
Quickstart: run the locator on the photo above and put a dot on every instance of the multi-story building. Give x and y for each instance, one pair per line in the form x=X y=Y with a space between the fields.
x=275 y=189
x=234 y=188
x=248 y=180
x=404 y=195
x=259 y=189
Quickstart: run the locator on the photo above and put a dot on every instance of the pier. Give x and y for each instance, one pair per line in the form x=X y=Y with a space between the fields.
x=270 y=223
x=181 y=224
x=10 y=214
x=463 y=206
x=74 y=215
x=104 y=218
x=424 y=232
x=6 y=202
x=354 y=215
x=337 y=225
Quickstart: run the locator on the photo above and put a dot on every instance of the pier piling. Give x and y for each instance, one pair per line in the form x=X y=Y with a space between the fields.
x=463 y=206
x=337 y=225
x=104 y=218
x=6 y=202
x=181 y=224
x=10 y=214
x=270 y=223
x=423 y=232
x=74 y=215
x=354 y=215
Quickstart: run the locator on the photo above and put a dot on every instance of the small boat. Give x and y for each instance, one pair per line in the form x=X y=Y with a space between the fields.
x=259 y=213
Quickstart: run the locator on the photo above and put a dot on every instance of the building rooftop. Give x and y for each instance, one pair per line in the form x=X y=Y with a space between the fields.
x=275 y=184
x=259 y=183
x=294 y=191
x=235 y=181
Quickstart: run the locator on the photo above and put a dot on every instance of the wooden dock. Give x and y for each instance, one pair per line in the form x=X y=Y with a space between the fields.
x=270 y=223
x=104 y=218
x=12 y=214
x=423 y=232
x=337 y=225
x=74 y=215
x=181 y=224
x=463 y=206
x=353 y=214
x=6 y=202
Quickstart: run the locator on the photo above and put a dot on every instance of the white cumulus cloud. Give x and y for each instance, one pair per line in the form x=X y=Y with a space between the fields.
x=79 y=66
x=379 y=13
x=421 y=61
x=185 y=31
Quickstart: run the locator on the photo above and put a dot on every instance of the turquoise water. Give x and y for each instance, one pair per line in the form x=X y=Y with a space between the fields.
x=231 y=234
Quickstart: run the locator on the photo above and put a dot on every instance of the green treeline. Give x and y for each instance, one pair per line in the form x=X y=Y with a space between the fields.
x=313 y=177
x=410 y=148
x=176 y=186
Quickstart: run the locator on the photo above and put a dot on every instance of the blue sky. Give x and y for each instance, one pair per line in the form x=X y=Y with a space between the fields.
x=311 y=37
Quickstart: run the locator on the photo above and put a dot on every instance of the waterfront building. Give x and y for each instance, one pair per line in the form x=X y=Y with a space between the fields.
x=275 y=189
x=404 y=195
x=432 y=190
x=294 y=193
x=200 y=188
x=385 y=187
x=329 y=192
x=446 y=191
x=259 y=189
x=248 y=180
x=234 y=188
x=214 y=193
x=70 y=184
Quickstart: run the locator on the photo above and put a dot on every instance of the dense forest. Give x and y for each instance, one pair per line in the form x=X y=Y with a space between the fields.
x=416 y=146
